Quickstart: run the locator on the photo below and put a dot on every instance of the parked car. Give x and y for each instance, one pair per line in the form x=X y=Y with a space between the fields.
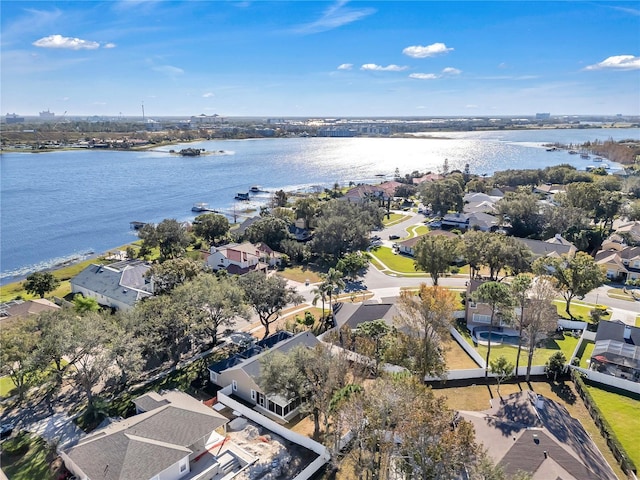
x=394 y=237
x=6 y=429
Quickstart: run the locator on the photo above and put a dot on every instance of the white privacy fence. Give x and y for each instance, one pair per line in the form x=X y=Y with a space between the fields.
x=322 y=451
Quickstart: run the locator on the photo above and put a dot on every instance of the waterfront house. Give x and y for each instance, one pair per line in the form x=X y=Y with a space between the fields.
x=173 y=436
x=241 y=258
x=429 y=177
x=119 y=285
x=239 y=232
x=364 y=193
x=242 y=372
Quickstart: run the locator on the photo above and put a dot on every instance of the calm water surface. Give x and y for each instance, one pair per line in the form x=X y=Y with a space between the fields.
x=61 y=205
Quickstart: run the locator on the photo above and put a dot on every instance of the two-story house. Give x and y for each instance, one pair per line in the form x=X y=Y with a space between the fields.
x=174 y=436
x=620 y=261
x=242 y=372
x=241 y=258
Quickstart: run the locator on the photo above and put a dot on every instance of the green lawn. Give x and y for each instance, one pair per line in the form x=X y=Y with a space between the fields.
x=579 y=310
x=540 y=356
x=6 y=386
x=395 y=262
x=417 y=230
x=623 y=414
x=25 y=457
x=394 y=219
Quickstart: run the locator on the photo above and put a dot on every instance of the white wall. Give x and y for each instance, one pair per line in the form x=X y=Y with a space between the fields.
x=610 y=380
x=321 y=450
x=467 y=348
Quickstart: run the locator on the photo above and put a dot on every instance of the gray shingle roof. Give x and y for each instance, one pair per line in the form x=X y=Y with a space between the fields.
x=124 y=457
x=144 y=445
x=542 y=248
x=252 y=365
x=107 y=281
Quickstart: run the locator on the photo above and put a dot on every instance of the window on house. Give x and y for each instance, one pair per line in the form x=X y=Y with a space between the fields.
x=253 y=395
x=234 y=385
x=183 y=465
x=213 y=376
x=479 y=318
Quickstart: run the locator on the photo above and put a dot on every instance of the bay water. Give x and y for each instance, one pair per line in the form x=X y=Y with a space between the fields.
x=61 y=206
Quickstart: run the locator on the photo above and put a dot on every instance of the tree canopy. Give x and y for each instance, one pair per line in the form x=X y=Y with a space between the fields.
x=573 y=276
x=268 y=295
x=211 y=227
x=435 y=254
x=41 y=283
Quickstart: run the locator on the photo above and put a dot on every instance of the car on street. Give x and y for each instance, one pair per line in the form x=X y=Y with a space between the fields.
x=394 y=237
x=6 y=429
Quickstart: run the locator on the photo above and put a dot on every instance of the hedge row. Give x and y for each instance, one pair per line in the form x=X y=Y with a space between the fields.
x=616 y=447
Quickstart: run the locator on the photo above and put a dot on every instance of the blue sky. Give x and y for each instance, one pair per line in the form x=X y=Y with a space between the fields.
x=304 y=58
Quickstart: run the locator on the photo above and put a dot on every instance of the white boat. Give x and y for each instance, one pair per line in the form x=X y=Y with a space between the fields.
x=201 y=207
x=597 y=159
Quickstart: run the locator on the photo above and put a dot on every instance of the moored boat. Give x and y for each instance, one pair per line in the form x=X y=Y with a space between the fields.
x=242 y=196
x=201 y=207
x=255 y=189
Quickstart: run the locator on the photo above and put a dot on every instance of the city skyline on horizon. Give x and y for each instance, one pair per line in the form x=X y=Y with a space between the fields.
x=320 y=59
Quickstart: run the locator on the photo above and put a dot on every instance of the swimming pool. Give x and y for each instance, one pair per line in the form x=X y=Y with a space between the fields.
x=497 y=337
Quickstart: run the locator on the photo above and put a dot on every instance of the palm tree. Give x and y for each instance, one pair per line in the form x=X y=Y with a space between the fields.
x=334 y=283
x=320 y=293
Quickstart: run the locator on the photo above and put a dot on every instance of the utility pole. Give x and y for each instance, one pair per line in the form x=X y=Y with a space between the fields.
x=143 y=111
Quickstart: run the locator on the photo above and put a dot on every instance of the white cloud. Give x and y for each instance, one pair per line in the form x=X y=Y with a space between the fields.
x=617 y=62
x=418 y=51
x=380 y=68
x=109 y=45
x=335 y=16
x=69 y=43
x=451 y=71
x=424 y=76
x=345 y=66
x=207 y=95
x=168 y=70
x=471 y=105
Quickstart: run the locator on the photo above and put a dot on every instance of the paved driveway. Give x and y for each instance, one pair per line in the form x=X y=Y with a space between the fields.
x=58 y=427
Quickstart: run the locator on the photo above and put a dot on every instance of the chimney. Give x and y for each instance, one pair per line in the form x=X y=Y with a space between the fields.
x=627 y=332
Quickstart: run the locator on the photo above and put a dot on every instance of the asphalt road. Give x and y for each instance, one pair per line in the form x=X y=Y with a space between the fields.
x=387 y=286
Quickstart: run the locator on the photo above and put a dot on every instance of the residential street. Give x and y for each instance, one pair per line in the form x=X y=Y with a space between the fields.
x=383 y=285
